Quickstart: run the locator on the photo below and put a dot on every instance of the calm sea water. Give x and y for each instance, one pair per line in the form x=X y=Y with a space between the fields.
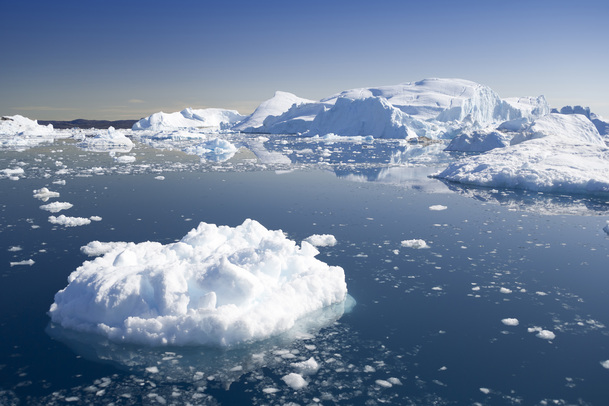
x=422 y=326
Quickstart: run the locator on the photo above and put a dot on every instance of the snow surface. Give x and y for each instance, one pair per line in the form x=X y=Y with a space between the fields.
x=556 y=153
x=218 y=285
x=479 y=141
x=190 y=118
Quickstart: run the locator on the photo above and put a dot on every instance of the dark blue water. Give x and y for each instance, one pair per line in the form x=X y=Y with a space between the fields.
x=426 y=328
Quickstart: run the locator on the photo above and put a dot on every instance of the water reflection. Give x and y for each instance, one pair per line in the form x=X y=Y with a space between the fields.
x=537 y=202
x=191 y=364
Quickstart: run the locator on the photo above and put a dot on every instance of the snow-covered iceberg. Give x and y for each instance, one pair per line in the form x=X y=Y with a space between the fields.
x=216 y=286
x=433 y=108
x=20 y=133
x=479 y=141
x=110 y=140
x=211 y=118
x=556 y=153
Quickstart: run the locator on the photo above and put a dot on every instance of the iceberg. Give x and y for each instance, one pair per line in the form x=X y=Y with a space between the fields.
x=20 y=133
x=211 y=118
x=433 y=108
x=556 y=153
x=275 y=106
x=216 y=150
x=110 y=140
x=217 y=286
x=479 y=141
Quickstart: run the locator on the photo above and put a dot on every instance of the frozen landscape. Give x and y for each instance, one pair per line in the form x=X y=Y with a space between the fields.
x=423 y=243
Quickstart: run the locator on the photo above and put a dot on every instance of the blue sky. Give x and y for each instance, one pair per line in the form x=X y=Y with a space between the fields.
x=128 y=59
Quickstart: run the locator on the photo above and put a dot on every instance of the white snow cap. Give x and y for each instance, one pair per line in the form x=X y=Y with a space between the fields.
x=218 y=285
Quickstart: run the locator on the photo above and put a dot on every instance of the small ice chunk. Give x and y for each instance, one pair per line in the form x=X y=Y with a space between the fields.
x=152 y=370
x=321 y=240
x=270 y=390
x=65 y=221
x=14 y=248
x=605 y=364
x=505 y=290
x=160 y=177
x=437 y=207
x=383 y=383
x=486 y=391
x=45 y=194
x=95 y=218
x=395 y=381
x=307 y=367
x=29 y=262
x=125 y=159
x=295 y=381
x=541 y=333
x=416 y=244
x=437 y=288
x=56 y=206
x=97 y=248
x=606 y=228
x=510 y=321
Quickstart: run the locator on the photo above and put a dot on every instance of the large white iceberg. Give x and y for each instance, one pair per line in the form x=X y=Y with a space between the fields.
x=20 y=133
x=556 y=153
x=211 y=118
x=216 y=286
x=434 y=108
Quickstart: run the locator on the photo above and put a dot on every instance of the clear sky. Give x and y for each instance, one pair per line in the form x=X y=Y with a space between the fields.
x=106 y=59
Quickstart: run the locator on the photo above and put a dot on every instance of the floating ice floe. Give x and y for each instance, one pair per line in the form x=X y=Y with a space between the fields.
x=308 y=367
x=12 y=174
x=437 y=207
x=295 y=381
x=66 y=221
x=416 y=243
x=321 y=240
x=216 y=150
x=510 y=321
x=541 y=333
x=97 y=248
x=45 y=194
x=556 y=153
x=28 y=262
x=605 y=364
x=216 y=286
x=56 y=207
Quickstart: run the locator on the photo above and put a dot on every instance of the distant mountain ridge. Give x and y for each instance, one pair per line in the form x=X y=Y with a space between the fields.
x=84 y=123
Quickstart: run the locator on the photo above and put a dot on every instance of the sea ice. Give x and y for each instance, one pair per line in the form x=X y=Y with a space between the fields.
x=11 y=173
x=295 y=381
x=437 y=207
x=66 y=221
x=510 y=321
x=605 y=364
x=217 y=150
x=97 y=248
x=321 y=240
x=56 y=206
x=218 y=285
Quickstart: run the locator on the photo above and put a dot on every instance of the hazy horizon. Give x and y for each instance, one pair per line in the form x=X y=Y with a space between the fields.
x=111 y=60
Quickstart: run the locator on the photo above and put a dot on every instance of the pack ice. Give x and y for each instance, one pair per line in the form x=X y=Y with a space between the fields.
x=554 y=153
x=217 y=286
